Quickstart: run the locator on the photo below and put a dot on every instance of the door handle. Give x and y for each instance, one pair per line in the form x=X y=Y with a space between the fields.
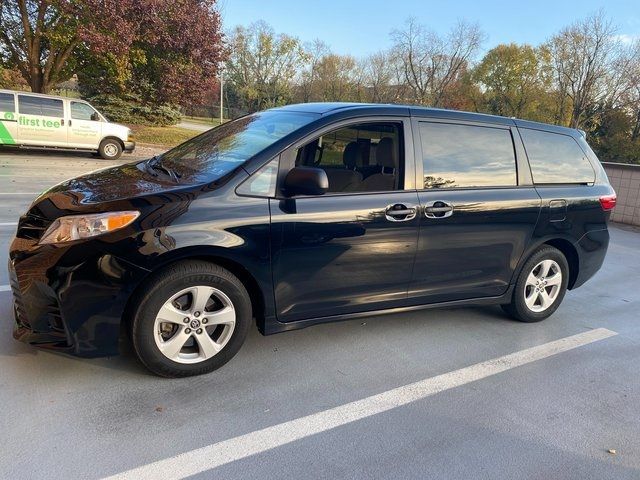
x=399 y=212
x=69 y=122
x=62 y=122
x=438 y=209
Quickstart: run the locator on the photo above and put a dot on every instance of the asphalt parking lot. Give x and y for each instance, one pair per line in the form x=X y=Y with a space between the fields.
x=458 y=393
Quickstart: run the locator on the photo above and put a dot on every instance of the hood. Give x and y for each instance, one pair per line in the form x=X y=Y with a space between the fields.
x=110 y=184
x=121 y=187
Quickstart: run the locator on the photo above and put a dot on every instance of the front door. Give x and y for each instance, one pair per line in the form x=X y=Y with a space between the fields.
x=84 y=127
x=352 y=249
x=478 y=214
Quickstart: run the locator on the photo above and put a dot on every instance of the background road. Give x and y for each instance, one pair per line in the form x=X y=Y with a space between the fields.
x=551 y=418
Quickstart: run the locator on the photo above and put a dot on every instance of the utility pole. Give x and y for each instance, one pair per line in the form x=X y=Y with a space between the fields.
x=221 y=95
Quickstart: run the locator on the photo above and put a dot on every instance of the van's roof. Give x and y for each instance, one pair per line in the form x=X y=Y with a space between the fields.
x=325 y=108
x=57 y=97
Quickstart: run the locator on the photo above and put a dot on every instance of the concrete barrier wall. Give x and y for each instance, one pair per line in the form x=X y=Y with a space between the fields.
x=625 y=179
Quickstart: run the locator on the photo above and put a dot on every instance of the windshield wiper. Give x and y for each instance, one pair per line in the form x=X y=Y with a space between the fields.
x=155 y=164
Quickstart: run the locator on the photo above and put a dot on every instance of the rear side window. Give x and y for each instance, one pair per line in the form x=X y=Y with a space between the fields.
x=48 y=107
x=7 y=103
x=556 y=158
x=467 y=156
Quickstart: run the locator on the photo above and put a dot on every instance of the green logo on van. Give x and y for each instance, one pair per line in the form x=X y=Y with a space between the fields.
x=8 y=116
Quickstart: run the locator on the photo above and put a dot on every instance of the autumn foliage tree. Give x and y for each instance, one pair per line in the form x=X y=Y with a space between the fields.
x=162 y=51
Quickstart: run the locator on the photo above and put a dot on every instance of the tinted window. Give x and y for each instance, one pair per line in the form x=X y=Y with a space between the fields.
x=81 y=111
x=366 y=157
x=263 y=182
x=222 y=149
x=7 y=102
x=556 y=158
x=467 y=156
x=48 y=107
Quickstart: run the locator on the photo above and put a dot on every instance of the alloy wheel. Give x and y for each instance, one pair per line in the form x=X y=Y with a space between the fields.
x=543 y=285
x=194 y=324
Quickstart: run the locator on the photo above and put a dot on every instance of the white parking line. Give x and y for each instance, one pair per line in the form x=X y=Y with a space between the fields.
x=227 y=451
x=5 y=288
x=8 y=224
x=19 y=193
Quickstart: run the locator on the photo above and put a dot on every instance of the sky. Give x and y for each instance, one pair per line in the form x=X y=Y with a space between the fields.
x=362 y=27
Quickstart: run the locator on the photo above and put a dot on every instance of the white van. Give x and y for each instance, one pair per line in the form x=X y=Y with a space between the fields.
x=46 y=121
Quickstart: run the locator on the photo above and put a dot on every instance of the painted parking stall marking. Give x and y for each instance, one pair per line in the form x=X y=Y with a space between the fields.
x=227 y=451
x=4 y=288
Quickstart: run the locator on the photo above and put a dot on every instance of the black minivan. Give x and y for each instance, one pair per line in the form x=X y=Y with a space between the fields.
x=306 y=214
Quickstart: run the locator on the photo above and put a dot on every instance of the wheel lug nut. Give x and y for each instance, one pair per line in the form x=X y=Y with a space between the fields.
x=185 y=320
x=187 y=330
x=199 y=331
x=196 y=314
x=205 y=320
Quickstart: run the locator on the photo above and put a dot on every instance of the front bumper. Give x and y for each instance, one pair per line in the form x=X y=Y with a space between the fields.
x=129 y=146
x=70 y=299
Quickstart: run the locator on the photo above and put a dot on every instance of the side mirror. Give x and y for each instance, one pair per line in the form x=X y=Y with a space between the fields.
x=95 y=117
x=306 y=181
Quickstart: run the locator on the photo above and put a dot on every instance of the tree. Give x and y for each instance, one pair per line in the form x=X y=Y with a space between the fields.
x=262 y=65
x=38 y=37
x=165 y=50
x=171 y=55
x=378 y=78
x=315 y=52
x=515 y=80
x=430 y=63
x=583 y=55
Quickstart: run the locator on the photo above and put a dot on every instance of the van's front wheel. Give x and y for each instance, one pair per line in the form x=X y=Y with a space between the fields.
x=110 y=149
x=191 y=318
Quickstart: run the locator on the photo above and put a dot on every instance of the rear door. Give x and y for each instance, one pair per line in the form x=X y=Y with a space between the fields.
x=84 y=127
x=478 y=209
x=41 y=121
x=8 y=119
x=351 y=249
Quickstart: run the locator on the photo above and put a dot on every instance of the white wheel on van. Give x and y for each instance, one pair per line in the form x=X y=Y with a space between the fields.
x=110 y=149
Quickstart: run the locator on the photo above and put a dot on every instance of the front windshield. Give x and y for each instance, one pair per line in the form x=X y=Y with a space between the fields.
x=222 y=149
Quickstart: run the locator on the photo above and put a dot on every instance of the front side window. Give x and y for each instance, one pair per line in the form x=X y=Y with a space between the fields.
x=7 y=102
x=467 y=156
x=556 y=158
x=224 y=148
x=47 y=107
x=263 y=182
x=82 y=111
x=365 y=157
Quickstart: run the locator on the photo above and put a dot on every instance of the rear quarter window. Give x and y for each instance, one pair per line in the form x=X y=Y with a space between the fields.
x=556 y=158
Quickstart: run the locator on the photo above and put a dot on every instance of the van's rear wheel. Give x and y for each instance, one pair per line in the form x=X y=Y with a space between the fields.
x=540 y=287
x=191 y=319
x=110 y=149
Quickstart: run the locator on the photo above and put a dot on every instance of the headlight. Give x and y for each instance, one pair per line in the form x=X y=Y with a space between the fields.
x=77 y=227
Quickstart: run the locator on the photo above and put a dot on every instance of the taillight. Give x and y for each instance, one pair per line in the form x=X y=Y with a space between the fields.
x=608 y=202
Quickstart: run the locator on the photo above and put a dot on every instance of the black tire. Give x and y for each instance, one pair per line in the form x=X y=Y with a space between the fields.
x=110 y=149
x=162 y=287
x=518 y=308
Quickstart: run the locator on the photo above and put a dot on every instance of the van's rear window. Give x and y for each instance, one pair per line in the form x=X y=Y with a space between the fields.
x=220 y=150
x=7 y=102
x=556 y=158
